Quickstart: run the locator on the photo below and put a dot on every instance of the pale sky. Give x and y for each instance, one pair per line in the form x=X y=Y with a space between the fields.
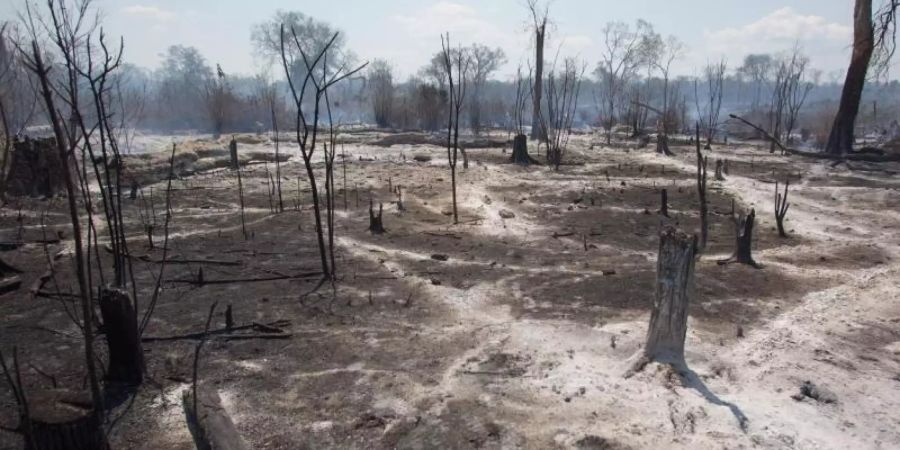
x=407 y=32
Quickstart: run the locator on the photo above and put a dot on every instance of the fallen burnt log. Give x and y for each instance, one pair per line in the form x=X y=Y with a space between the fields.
x=866 y=154
x=273 y=330
x=203 y=282
x=209 y=423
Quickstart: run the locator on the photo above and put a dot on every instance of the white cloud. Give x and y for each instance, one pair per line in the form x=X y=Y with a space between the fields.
x=779 y=31
x=149 y=12
x=463 y=22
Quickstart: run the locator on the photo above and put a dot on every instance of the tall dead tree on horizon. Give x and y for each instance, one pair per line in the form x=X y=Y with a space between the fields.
x=563 y=88
x=318 y=78
x=539 y=18
x=457 y=87
x=710 y=110
x=623 y=52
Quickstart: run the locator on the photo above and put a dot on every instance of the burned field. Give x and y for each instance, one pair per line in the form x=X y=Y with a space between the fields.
x=512 y=328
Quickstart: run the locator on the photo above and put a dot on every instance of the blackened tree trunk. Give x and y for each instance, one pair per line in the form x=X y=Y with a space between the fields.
x=62 y=420
x=674 y=286
x=126 y=356
x=233 y=153
x=539 y=37
x=520 y=151
x=841 y=139
x=376 y=224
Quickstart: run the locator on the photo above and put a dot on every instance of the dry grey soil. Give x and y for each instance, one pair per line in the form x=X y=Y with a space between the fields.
x=520 y=338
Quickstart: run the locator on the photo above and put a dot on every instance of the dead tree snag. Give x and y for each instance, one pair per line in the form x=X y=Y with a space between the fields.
x=664 y=206
x=743 y=230
x=720 y=170
x=126 y=356
x=701 y=193
x=376 y=225
x=781 y=207
x=233 y=153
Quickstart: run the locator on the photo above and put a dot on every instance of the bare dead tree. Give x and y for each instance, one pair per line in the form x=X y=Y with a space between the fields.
x=873 y=35
x=240 y=184
x=484 y=62
x=459 y=62
x=778 y=104
x=797 y=90
x=307 y=122
x=218 y=99
x=272 y=99
x=660 y=55
x=34 y=61
x=539 y=18
x=781 y=207
x=710 y=109
x=701 y=193
x=623 y=52
x=380 y=81
x=563 y=89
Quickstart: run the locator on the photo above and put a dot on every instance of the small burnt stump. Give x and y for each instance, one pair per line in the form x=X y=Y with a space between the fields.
x=63 y=419
x=376 y=225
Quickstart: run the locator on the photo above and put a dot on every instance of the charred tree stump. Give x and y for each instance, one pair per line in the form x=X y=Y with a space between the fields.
x=664 y=207
x=720 y=169
x=126 y=356
x=662 y=145
x=61 y=419
x=229 y=318
x=743 y=230
x=376 y=225
x=149 y=230
x=674 y=286
x=520 y=151
x=35 y=169
x=781 y=207
x=233 y=153
x=210 y=424
x=465 y=158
